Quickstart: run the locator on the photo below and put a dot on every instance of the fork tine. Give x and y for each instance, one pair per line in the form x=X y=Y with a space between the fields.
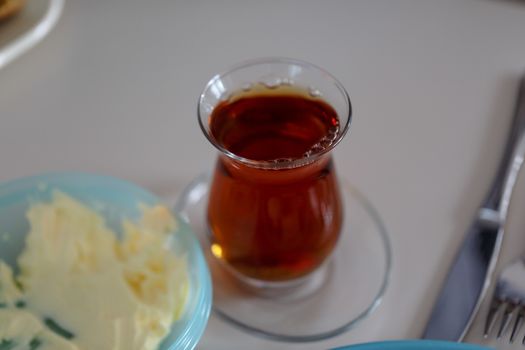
x=504 y=318
x=496 y=308
x=509 y=311
x=518 y=324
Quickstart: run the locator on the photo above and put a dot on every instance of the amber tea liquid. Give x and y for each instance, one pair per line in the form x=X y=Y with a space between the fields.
x=282 y=223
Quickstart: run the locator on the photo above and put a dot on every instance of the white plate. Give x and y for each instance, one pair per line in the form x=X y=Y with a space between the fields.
x=27 y=28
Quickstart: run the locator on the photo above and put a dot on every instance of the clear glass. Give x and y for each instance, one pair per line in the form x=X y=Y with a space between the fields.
x=274 y=221
x=332 y=301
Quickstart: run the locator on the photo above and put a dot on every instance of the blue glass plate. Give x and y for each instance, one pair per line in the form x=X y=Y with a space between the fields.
x=114 y=199
x=413 y=345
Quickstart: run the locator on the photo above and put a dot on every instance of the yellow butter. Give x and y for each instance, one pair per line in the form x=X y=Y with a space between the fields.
x=109 y=293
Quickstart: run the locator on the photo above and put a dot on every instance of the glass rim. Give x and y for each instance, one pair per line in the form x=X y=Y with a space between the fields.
x=268 y=164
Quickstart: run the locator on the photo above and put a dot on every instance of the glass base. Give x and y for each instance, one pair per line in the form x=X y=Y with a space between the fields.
x=332 y=300
x=282 y=290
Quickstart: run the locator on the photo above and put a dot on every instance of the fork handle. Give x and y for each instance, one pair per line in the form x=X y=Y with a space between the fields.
x=498 y=198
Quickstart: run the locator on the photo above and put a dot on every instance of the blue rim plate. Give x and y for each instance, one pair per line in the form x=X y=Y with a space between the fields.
x=413 y=345
x=114 y=199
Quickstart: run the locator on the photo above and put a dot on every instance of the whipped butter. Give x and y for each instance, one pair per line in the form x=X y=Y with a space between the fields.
x=81 y=287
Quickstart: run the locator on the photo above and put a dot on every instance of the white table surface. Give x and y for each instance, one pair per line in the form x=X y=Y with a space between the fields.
x=113 y=90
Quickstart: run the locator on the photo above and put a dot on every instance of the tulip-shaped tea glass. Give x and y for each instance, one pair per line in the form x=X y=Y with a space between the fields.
x=295 y=254
x=275 y=209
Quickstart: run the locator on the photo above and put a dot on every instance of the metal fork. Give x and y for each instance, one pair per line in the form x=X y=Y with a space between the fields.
x=506 y=314
x=507 y=308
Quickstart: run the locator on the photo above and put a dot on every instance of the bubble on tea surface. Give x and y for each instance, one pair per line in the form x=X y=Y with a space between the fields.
x=317 y=148
x=272 y=82
x=332 y=133
x=314 y=92
x=287 y=82
x=324 y=143
x=282 y=160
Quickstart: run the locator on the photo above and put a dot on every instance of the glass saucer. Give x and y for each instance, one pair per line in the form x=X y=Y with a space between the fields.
x=339 y=295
